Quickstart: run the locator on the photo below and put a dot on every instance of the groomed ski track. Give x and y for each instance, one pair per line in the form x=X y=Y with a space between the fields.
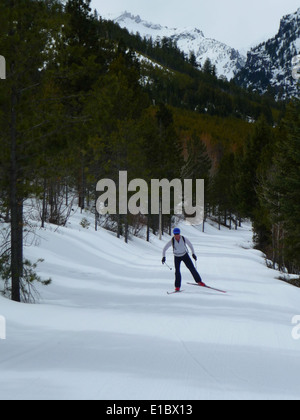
x=106 y=329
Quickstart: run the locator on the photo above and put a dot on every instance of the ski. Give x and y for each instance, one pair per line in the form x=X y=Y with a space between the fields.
x=207 y=287
x=173 y=293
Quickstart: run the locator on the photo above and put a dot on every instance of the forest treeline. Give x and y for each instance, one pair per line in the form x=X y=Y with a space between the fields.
x=84 y=100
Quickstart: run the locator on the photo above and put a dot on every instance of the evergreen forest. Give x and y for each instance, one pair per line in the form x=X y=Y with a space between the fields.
x=84 y=99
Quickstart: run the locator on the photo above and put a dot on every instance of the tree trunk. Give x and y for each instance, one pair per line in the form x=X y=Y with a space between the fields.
x=160 y=219
x=44 y=204
x=16 y=207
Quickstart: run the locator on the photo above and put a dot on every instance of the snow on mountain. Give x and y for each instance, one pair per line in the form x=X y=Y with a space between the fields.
x=105 y=328
x=270 y=63
x=226 y=59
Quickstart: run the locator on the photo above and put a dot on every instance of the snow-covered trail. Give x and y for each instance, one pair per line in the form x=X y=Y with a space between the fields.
x=106 y=329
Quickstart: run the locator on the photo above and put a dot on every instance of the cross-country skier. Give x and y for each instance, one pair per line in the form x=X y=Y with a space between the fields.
x=180 y=250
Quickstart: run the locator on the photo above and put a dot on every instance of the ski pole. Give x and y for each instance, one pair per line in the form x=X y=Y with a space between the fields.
x=168 y=266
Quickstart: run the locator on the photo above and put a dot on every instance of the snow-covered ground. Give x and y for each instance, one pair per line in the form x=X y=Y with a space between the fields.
x=106 y=328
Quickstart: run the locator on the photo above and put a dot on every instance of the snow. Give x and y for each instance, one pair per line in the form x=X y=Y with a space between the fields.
x=297 y=45
x=106 y=328
x=189 y=39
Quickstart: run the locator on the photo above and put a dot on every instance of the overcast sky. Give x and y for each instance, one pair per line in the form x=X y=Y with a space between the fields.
x=238 y=23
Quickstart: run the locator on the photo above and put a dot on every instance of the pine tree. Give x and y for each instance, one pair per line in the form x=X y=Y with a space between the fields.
x=287 y=183
x=209 y=68
x=276 y=217
x=163 y=150
x=256 y=145
x=223 y=189
x=25 y=42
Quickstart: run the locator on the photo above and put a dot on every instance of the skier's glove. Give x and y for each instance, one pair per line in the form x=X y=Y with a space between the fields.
x=163 y=260
x=195 y=257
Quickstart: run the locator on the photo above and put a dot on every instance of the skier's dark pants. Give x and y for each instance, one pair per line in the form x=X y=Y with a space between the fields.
x=188 y=262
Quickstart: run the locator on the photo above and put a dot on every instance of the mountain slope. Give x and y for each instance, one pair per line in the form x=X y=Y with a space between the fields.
x=106 y=329
x=270 y=63
x=226 y=59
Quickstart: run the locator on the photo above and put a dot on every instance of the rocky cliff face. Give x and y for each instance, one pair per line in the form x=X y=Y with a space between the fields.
x=270 y=65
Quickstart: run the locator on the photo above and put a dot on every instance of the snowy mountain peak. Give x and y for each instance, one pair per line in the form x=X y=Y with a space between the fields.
x=227 y=60
x=128 y=20
x=292 y=17
x=270 y=64
x=147 y=29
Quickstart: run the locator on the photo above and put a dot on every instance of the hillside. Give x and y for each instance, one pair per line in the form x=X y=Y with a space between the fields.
x=106 y=329
x=266 y=69
x=227 y=60
x=169 y=74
